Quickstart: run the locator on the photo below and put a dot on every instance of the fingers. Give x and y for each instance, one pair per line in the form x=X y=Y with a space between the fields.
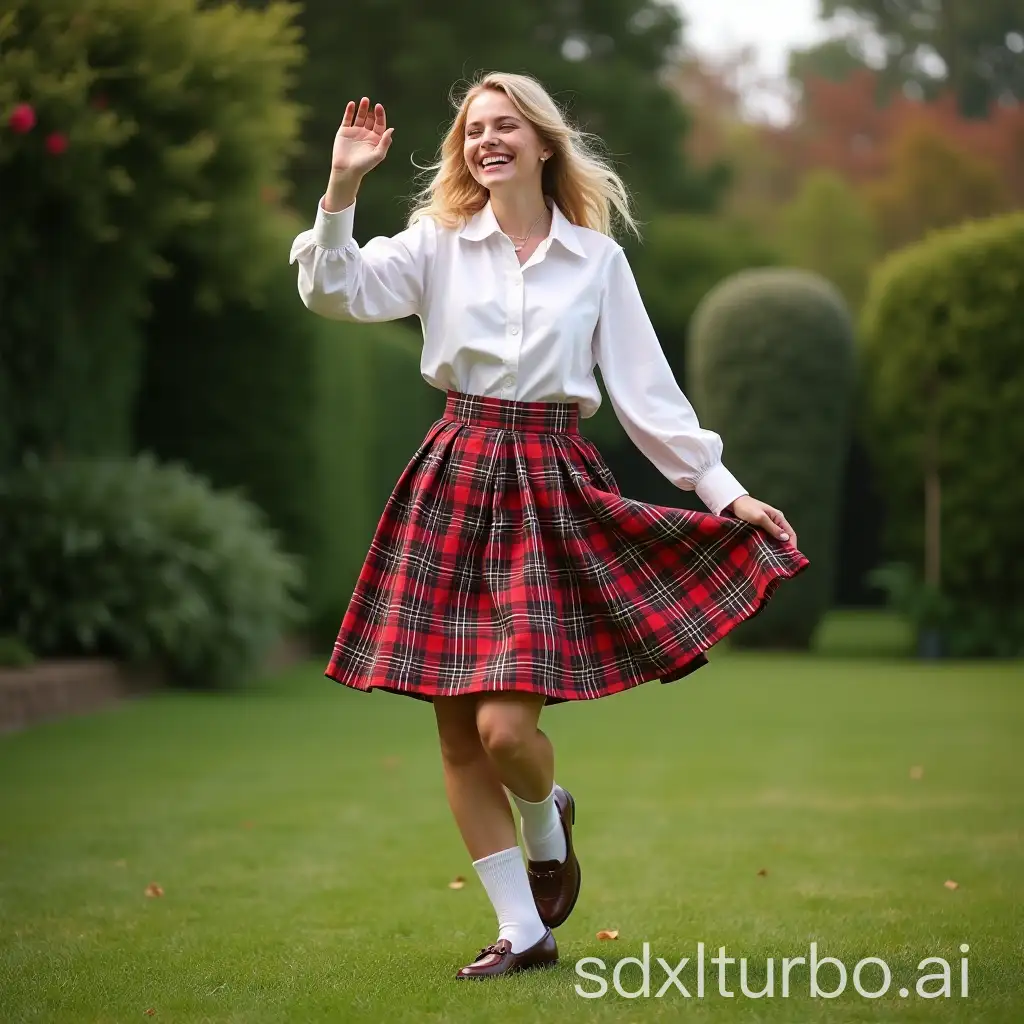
x=361 y=116
x=768 y=524
x=775 y=523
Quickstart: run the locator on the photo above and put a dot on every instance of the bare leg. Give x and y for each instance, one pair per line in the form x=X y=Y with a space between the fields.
x=522 y=755
x=484 y=817
x=525 y=763
x=474 y=789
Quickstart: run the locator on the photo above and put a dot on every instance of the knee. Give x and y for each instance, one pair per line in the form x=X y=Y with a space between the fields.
x=504 y=733
x=460 y=745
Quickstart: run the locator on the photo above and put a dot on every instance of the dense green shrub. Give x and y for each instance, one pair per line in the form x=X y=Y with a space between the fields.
x=230 y=392
x=124 y=128
x=139 y=561
x=772 y=369
x=943 y=352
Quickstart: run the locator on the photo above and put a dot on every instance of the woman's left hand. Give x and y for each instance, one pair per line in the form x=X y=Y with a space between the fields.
x=770 y=519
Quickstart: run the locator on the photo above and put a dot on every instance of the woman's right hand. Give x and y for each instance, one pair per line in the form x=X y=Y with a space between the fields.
x=362 y=141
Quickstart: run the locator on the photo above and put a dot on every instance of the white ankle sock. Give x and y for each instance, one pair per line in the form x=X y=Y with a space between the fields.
x=504 y=877
x=543 y=835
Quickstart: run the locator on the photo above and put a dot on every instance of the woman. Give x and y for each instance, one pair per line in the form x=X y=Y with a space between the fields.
x=507 y=571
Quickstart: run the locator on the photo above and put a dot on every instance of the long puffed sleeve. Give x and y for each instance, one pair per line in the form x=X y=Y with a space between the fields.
x=649 y=403
x=382 y=280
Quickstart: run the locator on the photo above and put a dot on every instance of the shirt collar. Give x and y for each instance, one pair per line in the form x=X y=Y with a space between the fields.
x=484 y=224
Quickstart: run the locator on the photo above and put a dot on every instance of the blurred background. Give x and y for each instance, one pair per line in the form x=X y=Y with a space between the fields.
x=192 y=465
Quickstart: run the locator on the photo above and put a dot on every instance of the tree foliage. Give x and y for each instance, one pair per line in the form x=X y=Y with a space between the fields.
x=973 y=48
x=930 y=184
x=942 y=337
x=828 y=228
x=601 y=60
x=127 y=128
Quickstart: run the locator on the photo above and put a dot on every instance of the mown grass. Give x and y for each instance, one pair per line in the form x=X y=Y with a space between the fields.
x=300 y=835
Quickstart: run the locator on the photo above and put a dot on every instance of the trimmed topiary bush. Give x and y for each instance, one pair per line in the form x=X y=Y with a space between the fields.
x=142 y=562
x=943 y=357
x=771 y=367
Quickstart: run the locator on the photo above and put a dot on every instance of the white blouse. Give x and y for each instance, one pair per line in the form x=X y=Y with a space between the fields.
x=531 y=332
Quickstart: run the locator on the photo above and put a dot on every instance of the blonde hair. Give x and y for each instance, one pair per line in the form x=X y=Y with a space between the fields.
x=582 y=183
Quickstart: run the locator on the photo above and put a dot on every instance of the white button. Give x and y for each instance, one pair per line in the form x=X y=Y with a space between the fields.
x=508 y=382
x=515 y=330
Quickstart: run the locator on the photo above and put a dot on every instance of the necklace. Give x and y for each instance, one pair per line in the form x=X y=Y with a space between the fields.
x=523 y=239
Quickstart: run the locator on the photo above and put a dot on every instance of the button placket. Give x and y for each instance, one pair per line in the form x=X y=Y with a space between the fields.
x=515 y=307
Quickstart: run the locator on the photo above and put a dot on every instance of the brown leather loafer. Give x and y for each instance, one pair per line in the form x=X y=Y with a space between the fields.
x=556 y=884
x=498 y=959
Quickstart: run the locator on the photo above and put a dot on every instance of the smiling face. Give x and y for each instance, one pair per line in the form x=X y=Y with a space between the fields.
x=501 y=147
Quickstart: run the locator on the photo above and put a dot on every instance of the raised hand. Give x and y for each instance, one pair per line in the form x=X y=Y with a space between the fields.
x=362 y=141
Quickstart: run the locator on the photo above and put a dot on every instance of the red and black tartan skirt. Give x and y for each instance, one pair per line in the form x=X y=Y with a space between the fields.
x=506 y=559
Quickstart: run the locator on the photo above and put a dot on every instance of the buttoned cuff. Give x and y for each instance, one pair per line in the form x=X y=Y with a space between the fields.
x=718 y=488
x=333 y=230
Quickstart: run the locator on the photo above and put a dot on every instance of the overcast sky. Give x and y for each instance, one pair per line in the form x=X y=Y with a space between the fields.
x=772 y=26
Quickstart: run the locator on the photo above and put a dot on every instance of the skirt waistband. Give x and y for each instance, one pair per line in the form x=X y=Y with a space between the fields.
x=500 y=413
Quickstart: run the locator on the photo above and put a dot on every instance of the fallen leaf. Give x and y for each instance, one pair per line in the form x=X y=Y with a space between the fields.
x=153 y=890
x=950 y=884
x=150 y=1012
x=457 y=882
x=917 y=772
x=608 y=933
x=762 y=872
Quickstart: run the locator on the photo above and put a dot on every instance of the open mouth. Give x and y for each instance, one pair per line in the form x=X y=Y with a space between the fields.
x=490 y=163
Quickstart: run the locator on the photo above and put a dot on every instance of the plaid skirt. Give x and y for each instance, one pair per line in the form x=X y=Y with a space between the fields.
x=506 y=559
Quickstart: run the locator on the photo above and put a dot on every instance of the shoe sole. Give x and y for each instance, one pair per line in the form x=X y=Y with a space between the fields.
x=579 y=873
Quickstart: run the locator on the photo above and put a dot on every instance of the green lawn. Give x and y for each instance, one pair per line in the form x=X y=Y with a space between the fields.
x=301 y=838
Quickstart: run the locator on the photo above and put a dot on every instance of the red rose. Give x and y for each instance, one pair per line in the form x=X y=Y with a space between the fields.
x=22 y=119
x=56 y=143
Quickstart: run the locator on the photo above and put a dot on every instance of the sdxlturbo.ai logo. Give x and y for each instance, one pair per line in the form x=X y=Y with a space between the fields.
x=871 y=976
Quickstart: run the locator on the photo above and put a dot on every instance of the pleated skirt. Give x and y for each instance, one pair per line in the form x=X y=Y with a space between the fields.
x=506 y=559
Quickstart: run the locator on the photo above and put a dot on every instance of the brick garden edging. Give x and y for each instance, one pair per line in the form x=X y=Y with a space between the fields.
x=56 y=689
x=50 y=690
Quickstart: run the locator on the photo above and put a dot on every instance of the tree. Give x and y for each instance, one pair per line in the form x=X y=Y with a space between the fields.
x=829 y=229
x=974 y=48
x=128 y=128
x=931 y=183
x=833 y=59
x=941 y=337
x=600 y=59
x=841 y=126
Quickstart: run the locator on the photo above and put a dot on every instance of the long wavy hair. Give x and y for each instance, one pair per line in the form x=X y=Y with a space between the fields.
x=576 y=177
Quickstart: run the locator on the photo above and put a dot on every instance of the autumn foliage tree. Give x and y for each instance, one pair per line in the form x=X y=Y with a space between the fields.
x=918 y=165
x=931 y=183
